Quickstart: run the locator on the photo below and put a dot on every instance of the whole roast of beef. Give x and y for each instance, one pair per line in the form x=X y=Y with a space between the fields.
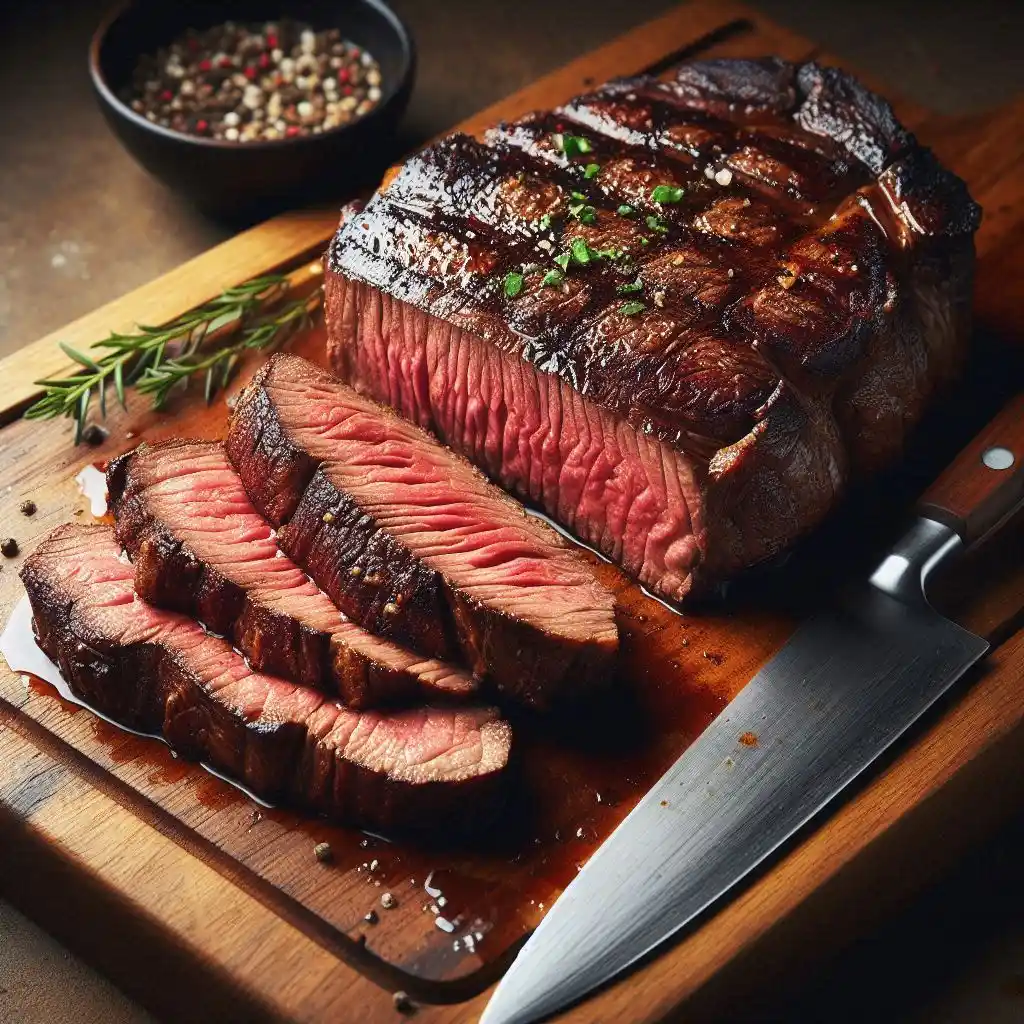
x=679 y=316
x=162 y=672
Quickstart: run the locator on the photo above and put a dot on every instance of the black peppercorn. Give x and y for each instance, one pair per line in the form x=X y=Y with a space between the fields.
x=94 y=435
x=403 y=1004
x=27 y=507
x=9 y=547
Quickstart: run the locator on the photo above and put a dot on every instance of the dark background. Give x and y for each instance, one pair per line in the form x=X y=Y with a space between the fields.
x=80 y=224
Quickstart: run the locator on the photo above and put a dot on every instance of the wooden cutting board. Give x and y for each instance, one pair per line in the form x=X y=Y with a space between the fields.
x=204 y=906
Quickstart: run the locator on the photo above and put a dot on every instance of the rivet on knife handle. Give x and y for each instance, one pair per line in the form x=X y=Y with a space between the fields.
x=985 y=483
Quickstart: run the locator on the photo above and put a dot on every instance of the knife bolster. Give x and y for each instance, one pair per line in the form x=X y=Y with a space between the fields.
x=904 y=572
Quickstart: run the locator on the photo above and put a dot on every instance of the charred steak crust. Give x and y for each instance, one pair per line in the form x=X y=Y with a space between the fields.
x=199 y=547
x=159 y=672
x=412 y=542
x=802 y=299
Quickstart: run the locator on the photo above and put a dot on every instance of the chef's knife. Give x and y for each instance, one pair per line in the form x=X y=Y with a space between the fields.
x=845 y=686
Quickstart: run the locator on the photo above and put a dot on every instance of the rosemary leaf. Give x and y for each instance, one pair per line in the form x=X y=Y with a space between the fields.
x=79 y=357
x=119 y=383
x=228 y=369
x=158 y=360
x=81 y=413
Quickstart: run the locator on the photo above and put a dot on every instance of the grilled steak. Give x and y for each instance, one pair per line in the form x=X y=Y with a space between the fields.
x=200 y=547
x=679 y=316
x=158 y=671
x=412 y=542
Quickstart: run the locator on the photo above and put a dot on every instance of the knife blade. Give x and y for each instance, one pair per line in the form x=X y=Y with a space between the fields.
x=848 y=683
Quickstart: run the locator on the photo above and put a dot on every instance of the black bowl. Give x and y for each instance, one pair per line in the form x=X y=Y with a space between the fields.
x=235 y=179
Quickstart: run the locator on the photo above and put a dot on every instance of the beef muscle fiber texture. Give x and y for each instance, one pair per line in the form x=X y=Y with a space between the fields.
x=161 y=672
x=201 y=548
x=680 y=316
x=412 y=542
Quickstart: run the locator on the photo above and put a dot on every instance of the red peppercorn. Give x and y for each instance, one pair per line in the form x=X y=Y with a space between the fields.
x=226 y=62
x=355 y=51
x=292 y=130
x=167 y=95
x=250 y=73
x=343 y=75
x=205 y=65
x=264 y=61
x=272 y=41
x=201 y=125
x=347 y=90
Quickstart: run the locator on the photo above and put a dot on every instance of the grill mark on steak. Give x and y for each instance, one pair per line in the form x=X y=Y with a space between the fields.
x=848 y=306
x=412 y=542
x=160 y=672
x=199 y=547
x=805 y=175
x=597 y=332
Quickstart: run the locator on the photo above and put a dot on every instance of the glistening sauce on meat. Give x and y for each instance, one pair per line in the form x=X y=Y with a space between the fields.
x=580 y=776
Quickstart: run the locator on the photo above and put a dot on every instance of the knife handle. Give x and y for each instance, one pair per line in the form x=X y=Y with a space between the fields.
x=985 y=483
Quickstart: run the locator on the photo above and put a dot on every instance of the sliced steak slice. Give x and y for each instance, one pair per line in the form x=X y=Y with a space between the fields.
x=200 y=547
x=412 y=542
x=681 y=316
x=161 y=672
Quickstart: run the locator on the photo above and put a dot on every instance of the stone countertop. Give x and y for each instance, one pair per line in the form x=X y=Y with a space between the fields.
x=80 y=224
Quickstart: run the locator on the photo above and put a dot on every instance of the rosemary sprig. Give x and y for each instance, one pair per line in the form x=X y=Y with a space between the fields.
x=154 y=360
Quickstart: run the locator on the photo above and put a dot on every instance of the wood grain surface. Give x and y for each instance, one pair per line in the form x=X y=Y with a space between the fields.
x=204 y=896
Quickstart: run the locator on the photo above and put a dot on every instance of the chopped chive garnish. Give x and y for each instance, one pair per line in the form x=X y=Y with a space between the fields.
x=571 y=145
x=552 y=278
x=631 y=288
x=657 y=224
x=545 y=222
x=644 y=240
x=666 y=194
x=581 y=252
x=625 y=210
x=583 y=213
x=578 y=196
x=632 y=308
x=591 y=170
x=513 y=284
x=562 y=259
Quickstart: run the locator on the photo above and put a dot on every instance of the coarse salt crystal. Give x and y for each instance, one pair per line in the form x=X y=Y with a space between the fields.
x=724 y=176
